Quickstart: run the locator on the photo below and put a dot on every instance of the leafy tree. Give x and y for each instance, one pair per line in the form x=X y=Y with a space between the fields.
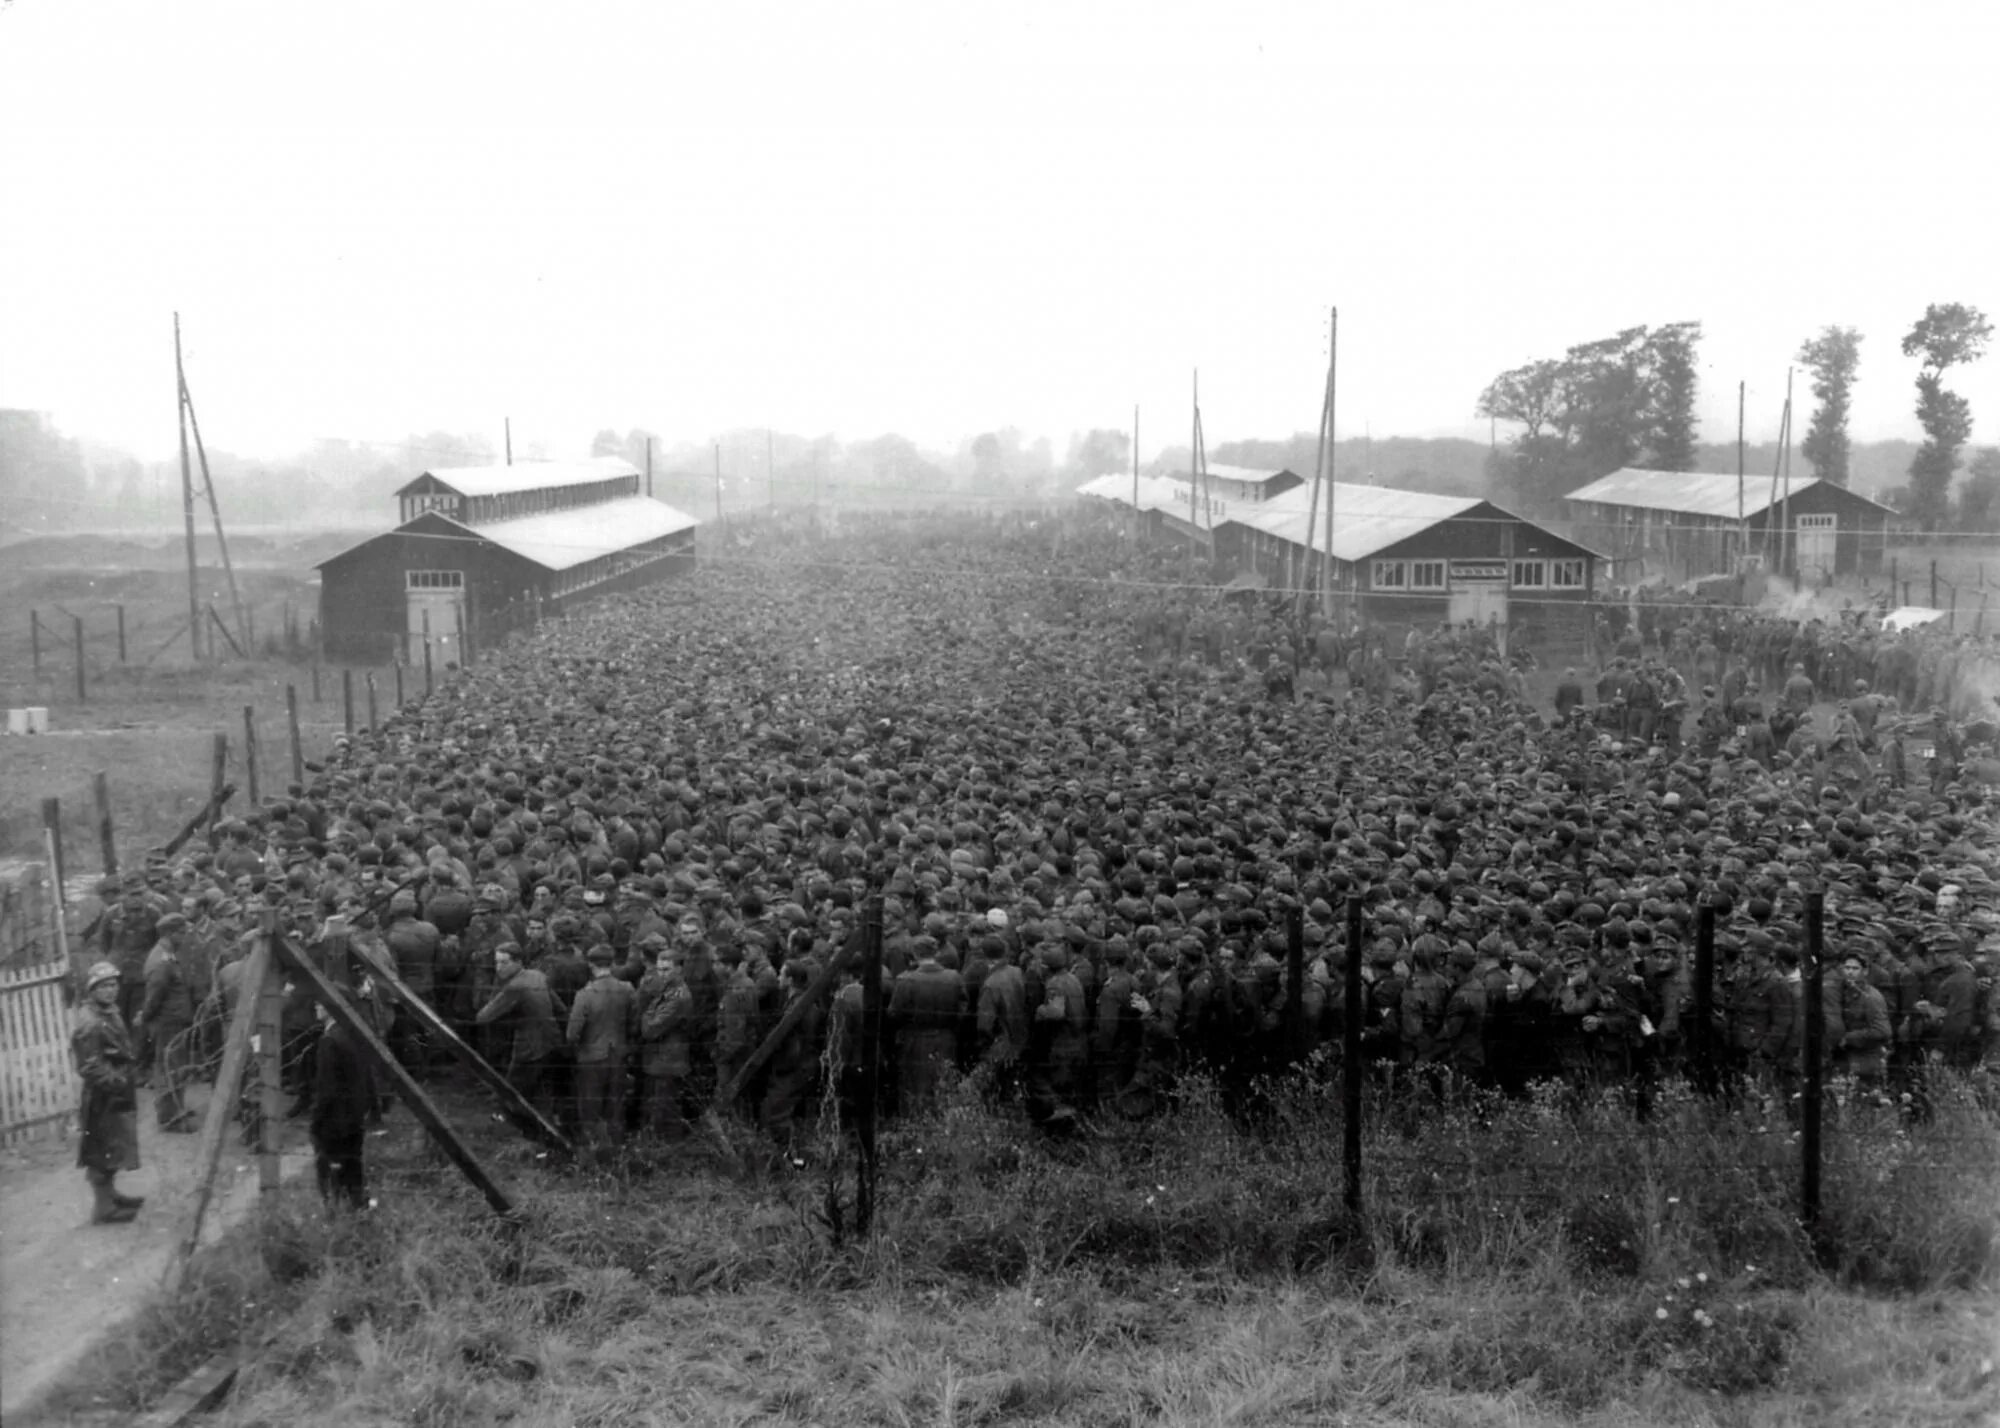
x=1948 y=335
x=1832 y=358
x=1619 y=401
x=1976 y=499
x=1098 y=452
x=1671 y=378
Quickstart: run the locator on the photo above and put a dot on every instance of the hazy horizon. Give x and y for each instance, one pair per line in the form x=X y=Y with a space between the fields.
x=892 y=218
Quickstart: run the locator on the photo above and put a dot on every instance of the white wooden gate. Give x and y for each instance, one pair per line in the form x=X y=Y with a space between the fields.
x=1816 y=537
x=38 y=1084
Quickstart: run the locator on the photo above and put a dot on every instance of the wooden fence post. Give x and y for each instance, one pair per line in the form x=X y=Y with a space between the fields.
x=100 y=788
x=1815 y=1054
x=250 y=753
x=219 y=769
x=81 y=696
x=1350 y=1059
x=871 y=1058
x=221 y=1110
x=292 y=729
x=270 y=1068
x=52 y=826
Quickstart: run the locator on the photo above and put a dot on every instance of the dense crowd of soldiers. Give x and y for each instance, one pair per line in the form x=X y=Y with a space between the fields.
x=1091 y=794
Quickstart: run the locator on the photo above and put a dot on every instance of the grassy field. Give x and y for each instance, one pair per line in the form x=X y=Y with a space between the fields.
x=148 y=722
x=1192 y=1271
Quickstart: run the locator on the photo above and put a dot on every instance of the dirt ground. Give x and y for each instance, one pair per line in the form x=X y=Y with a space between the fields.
x=64 y=1282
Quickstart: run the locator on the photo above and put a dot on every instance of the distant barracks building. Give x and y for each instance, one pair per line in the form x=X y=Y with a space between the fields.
x=484 y=548
x=1401 y=558
x=1687 y=524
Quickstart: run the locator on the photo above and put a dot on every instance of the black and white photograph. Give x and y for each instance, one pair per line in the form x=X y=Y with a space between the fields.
x=971 y=715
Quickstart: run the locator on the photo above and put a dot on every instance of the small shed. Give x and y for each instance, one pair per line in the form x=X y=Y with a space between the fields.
x=1687 y=524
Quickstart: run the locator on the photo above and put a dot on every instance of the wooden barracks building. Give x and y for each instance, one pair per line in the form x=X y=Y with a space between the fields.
x=481 y=548
x=1401 y=558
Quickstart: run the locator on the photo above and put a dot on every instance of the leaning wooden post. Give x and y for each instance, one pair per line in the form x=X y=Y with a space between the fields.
x=533 y=1122
x=107 y=847
x=386 y=1065
x=270 y=1068
x=221 y=1110
x=250 y=752
x=292 y=729
x=77 y=623
x=218 y=771
x=52 y=830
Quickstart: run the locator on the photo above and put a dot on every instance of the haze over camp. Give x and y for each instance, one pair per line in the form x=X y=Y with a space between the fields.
x=1123 y=715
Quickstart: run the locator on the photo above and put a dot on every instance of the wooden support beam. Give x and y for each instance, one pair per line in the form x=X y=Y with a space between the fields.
x=221 y=1110
x=214 y=805
x=421 y=1105
x=427 y=1016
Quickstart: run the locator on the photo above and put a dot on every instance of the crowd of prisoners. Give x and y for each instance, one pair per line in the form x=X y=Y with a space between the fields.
x=1092 y=788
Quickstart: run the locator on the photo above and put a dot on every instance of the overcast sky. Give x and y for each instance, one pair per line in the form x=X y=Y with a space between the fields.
x=378 y=219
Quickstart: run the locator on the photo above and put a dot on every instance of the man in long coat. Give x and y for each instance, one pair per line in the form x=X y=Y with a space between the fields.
x=108 y=1118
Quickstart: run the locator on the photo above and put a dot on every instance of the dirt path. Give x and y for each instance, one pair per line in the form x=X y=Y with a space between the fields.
x=66 y=1284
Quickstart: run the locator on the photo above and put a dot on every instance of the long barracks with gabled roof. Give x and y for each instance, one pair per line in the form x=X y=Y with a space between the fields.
x=1686 y=524
x=485 y=548
x=1401 y=558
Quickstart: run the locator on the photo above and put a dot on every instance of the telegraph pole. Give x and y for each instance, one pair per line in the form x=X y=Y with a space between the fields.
x=1332 y=452
x=187 y=496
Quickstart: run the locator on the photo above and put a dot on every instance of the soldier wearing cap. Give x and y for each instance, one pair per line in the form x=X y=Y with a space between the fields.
x=107 y=1118
x=603 y=1025
x=165 y=1017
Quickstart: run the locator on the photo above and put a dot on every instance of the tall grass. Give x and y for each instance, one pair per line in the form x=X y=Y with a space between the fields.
x=1517 y=1261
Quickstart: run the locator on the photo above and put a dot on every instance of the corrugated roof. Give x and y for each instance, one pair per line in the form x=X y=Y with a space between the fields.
x=1249 y=475
x=1365 y=518
x=526 y=475
x=1693 y=493
x=556 y=540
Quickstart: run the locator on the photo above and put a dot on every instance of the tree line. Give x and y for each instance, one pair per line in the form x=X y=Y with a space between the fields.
x=1628 y=401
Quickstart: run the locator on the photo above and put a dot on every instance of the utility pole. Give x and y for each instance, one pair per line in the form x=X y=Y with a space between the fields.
x=1308 y=565
x=187 y=496
x=1136 y=524
x=1332 y=451
x=1786 y=546
x=215 y=514
x=1742 y=527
